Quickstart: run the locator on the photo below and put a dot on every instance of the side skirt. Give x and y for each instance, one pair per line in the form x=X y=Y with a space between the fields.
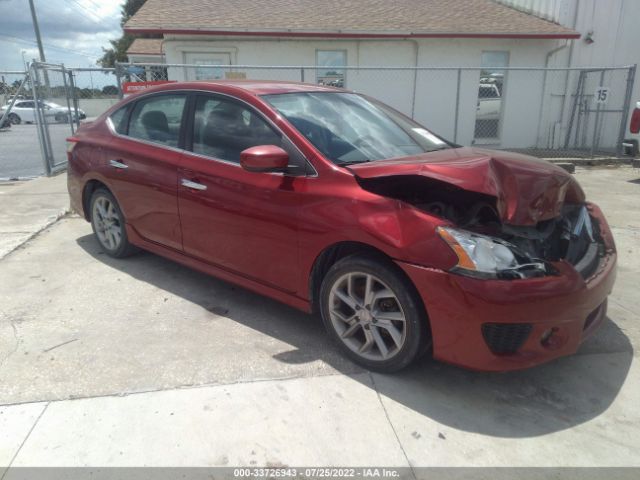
x=179 y=257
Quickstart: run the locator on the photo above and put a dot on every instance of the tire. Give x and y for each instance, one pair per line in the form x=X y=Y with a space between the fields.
x=108 y=225
x=14 y=119
x=359 y=322
x=634 y=150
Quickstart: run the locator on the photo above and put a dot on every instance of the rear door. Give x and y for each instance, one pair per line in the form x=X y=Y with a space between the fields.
x=141 y=164
x=241 y=221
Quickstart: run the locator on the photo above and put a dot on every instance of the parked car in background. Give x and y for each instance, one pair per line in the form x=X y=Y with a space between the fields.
x=489 y=102
x=23 y=111
x=332 y=202
x=631 y=143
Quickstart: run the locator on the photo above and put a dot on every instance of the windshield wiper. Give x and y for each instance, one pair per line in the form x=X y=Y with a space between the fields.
x=353 y=162
x=436 y=149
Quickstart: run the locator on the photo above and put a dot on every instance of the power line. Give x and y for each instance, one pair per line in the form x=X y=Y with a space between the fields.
x=48 y=45
x=95 y=18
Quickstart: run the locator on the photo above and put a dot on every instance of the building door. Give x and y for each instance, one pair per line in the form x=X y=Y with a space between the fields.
x=209 y=62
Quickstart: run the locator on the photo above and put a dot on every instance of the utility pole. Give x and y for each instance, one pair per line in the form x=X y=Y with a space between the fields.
x=36 y=29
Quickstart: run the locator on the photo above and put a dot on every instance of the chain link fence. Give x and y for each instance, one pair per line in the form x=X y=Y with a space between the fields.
x=550 y=113
x=554 y=113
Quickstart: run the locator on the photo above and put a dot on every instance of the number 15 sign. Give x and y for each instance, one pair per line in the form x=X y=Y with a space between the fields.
x=602 y=95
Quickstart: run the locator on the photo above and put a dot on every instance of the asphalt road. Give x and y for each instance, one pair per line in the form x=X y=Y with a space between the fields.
x=20 y=154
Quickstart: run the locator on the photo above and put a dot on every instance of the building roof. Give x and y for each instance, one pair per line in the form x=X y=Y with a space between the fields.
x=146 y=46
x=343 y=18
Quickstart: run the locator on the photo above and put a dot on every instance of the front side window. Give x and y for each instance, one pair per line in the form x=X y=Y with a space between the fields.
x=348 y=128
x=158 y=119
x=224 y=128
x=330 y=69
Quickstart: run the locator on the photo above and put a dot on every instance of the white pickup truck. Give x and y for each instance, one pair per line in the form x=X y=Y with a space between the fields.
x=630 y=144
x=489 y=102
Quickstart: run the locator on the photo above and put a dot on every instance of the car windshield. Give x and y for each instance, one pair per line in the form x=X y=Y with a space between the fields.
x=349 y=128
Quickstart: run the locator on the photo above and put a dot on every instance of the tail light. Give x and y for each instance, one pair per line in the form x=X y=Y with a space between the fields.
x=635 y=121
x=71 y=144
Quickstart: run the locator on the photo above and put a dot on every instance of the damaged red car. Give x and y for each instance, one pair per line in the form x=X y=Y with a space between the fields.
x=332 y=202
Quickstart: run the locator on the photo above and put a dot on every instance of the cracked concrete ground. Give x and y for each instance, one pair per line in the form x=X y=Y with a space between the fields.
x=140 y=361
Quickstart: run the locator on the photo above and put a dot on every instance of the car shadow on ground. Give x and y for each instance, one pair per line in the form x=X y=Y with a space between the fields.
x=545 y=399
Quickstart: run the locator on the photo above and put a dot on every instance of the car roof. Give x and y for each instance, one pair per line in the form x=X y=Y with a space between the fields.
x=255 y=87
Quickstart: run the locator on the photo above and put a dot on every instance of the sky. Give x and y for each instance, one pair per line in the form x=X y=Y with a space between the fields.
x=73 y=31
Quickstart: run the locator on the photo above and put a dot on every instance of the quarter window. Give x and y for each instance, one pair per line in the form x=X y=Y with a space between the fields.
x=118 y=120
x=223 y=129
x=158 y=119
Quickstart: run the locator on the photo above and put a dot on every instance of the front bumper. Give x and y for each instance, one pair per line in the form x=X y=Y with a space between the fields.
x=567 y=305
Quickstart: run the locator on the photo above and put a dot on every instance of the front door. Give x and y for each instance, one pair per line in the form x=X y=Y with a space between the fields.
x=241 y=221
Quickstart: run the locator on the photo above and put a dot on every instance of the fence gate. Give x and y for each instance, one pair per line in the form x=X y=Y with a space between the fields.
x=55 y=112
x=599 y=110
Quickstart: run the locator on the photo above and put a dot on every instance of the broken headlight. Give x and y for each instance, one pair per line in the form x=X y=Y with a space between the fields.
x=482 y=256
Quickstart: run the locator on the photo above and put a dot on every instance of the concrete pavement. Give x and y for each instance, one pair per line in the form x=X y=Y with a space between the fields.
x=29 y=207
x=143 y=362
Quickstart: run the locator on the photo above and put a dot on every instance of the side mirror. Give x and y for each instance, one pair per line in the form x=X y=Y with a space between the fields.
x=264 y=158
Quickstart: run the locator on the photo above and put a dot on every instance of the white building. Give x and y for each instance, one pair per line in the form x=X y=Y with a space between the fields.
x=400 y=33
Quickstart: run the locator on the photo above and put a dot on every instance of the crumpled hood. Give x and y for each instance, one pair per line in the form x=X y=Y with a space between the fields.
x=527 y=189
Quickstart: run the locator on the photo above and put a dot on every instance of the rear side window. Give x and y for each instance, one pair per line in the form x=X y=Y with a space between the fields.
x=223 y=129
x=119 y=120
x=158 y=119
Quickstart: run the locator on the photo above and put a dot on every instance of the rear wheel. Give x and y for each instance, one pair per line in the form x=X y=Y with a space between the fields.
x=374 y=313
x=14 y=119
x=108 y=225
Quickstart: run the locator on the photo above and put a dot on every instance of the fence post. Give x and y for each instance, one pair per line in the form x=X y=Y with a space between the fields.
x=595 y=142
x=44 y=145
x=63 y=71
x=413 y=94
x=631 y=76
x=455 y=121
x=119 y=79
x=576 y=100
x=302 y=74
x=74 y=96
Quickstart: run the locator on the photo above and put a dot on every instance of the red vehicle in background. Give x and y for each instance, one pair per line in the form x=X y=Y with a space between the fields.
x=331 y=202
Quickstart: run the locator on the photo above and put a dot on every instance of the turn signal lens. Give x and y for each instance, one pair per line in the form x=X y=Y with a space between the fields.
x=464 y=261
x=478 y=254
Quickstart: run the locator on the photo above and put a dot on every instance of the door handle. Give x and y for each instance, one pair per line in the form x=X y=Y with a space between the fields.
x=118 y=164
x=192 y=185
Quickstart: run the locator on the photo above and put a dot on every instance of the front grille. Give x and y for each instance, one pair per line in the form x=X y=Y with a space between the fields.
x=505 y=338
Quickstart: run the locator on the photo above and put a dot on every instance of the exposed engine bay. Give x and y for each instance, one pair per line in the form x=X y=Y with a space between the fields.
x=572 y=236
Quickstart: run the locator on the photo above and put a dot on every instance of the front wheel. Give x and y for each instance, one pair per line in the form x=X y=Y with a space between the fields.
x=374 y=313
x=14 y=119
x=108 y=225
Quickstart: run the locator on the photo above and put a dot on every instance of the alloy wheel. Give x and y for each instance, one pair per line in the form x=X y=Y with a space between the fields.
x=107 y=223
x=367 y=316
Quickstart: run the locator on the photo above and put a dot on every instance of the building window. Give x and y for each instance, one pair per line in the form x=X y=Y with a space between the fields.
x=331 y=65
x=490 y=96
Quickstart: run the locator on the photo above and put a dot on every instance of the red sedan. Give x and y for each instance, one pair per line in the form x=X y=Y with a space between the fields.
x=332 y=202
